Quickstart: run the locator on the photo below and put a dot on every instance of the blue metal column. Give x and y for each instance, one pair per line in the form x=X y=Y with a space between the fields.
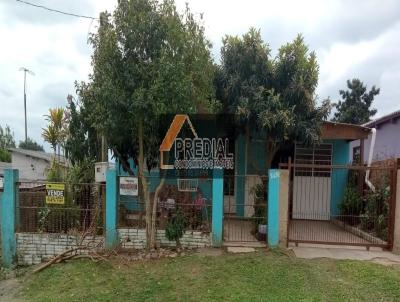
x=8 y=214
x=111 y=208
x=217 y=207
x=273 y=208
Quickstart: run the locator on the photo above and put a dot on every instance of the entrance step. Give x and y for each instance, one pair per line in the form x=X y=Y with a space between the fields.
x=238 y=249
x=256 y=244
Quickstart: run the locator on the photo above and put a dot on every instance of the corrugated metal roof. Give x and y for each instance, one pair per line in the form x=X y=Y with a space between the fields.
x=38 y=154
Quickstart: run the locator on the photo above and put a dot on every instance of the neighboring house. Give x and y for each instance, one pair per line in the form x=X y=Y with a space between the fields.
x=387 y=140
x=3 y=165
x=32 y=165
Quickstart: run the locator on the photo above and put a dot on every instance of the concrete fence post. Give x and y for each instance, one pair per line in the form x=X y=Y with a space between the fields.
x=273 y=208
x=9 y=204
x=111 y=208
x=217 y=207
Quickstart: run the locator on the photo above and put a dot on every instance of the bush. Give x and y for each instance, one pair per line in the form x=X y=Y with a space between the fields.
x=352 y=203
x=56 y=172
x=376 y=212
x=176 y=227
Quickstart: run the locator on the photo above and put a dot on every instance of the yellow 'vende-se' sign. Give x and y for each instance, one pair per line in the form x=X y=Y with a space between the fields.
x=55 y=193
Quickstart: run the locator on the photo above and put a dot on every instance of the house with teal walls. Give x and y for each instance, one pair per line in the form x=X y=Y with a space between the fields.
x=250 y=172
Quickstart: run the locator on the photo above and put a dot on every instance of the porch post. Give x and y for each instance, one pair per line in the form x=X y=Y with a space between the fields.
x=396 y=204
x=283 y=206
x=111 y=208
x=273 y=207
x=217 y=207
x=8 y=215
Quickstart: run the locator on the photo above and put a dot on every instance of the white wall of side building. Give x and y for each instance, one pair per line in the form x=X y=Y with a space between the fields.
x=30 y=168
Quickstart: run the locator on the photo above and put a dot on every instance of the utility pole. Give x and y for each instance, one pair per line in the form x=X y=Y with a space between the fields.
x=25 y=70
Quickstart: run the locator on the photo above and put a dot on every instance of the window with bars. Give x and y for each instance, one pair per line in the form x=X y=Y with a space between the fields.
x=319 y=155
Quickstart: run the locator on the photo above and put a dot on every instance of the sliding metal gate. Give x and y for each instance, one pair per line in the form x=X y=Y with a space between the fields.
x=359 y=213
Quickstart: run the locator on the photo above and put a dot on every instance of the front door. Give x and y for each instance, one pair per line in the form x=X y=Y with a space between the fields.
x=312 y=185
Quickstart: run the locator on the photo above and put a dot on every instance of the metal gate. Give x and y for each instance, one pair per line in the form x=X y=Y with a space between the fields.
x=245 y=209
x=360 y=211
x=310 y=202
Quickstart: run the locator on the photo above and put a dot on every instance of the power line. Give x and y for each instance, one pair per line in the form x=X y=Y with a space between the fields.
x=56 y=10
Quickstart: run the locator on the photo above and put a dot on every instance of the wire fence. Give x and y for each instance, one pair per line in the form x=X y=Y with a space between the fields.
x=245 y=208
x=190 y=198
x=79 y=209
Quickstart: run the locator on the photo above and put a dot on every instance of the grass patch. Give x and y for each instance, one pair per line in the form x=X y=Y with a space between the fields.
x=252 y=277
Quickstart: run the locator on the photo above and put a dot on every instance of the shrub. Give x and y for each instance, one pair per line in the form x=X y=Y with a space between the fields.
x=352 y=203
x=376 y=212
x=176 y=227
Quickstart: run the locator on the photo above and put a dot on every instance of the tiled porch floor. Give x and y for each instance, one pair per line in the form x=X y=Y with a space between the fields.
x=321 y=231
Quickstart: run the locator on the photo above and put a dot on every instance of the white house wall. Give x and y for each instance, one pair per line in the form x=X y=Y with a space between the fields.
x=29 y=168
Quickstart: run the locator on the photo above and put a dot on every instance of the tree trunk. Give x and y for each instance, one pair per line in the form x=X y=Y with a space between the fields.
x=144 y=185
x=272 y=148
x=123 y=162
x=152 y=244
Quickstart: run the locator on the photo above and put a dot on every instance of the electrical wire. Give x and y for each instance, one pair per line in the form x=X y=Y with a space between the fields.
x=56 y=10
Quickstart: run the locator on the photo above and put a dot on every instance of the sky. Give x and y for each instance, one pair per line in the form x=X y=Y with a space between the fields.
x=352 y=39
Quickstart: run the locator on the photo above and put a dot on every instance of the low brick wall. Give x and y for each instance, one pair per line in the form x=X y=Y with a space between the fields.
x=136 y=238
x=34 y=248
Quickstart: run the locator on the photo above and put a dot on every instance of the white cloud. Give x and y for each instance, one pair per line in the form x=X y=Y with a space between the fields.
x=351 y=39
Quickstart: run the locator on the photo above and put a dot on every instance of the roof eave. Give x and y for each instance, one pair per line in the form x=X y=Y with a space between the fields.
x=332 y=130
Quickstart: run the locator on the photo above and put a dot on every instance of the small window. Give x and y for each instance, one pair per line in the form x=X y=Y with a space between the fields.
x=356 y=154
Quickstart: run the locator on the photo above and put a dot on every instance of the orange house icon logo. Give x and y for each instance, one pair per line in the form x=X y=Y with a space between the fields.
x=194 y=153
x=172 y=133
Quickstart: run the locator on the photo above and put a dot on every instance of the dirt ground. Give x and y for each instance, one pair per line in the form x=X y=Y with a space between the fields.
x=9 y=289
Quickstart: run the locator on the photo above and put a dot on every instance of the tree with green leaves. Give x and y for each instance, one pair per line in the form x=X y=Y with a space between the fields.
x=6 y=141
x=273 y=96
x=148 y=61
x=30 y=144
x=55 y=132
x=355 y=106
x=82 y=144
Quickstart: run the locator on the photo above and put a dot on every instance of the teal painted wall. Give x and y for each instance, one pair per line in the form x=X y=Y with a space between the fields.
x=341 y=156
x=249 y=160
x=153 y=177
x=256 y=156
